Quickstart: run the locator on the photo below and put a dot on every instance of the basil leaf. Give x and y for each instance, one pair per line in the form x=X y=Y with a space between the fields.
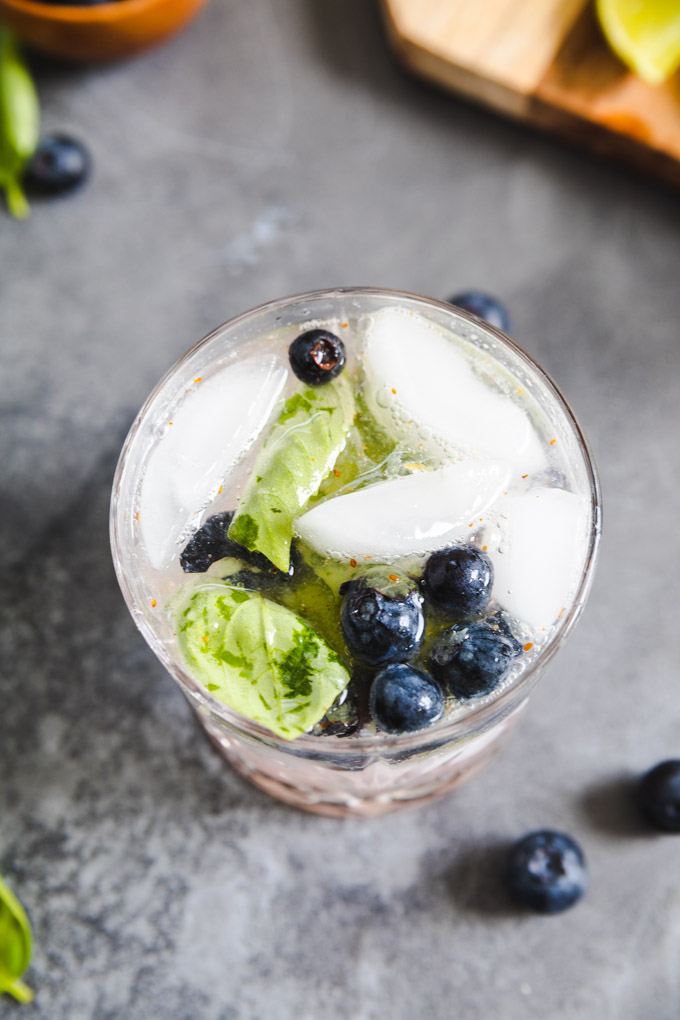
x=260 y=659
x=19 y=122
x=15 y=945
x=299 y=452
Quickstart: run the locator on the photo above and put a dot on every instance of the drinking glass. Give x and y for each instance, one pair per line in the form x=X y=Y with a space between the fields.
x=367 y=773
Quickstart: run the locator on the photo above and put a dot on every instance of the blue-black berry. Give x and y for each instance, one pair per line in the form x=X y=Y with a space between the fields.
x=547 y=871
x=472 y=659
x=379 y=629
x=317 y=356
x=404 y=699
x=484 y=306
x=459 y=580
x=660 y=795
x=59 y=164
x=212 y=543
x=506 y=626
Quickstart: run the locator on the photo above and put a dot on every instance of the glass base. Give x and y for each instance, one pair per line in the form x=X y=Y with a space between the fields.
x=372 y=787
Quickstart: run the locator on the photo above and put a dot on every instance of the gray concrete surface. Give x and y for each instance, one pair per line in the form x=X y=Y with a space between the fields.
x=275 y=147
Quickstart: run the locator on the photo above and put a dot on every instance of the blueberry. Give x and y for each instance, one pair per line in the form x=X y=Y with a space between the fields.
x=317 y=356
x=379 y=629
x=484 y=306
x=459 y=579
x=212 y=543
x=660 y=795
x=472 y=659
x=547 y=871
x=59 y=164
x=404 y=699
x=256 y=580
x=507 y=627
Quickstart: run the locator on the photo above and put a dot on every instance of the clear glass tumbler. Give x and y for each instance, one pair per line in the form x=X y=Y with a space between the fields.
x=367 y=773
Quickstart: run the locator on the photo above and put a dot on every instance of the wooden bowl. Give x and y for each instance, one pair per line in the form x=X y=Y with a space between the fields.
x=105 y=31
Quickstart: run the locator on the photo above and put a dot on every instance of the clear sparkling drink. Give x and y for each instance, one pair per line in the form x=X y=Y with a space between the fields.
x=355 y=526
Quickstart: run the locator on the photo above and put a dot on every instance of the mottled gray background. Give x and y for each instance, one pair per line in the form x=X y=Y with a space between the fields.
x=275 y=147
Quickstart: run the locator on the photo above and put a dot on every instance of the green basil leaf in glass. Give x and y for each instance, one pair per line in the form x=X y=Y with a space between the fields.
x=19 y=122
x=299 y=452
x=15 y=945
x=260 y=658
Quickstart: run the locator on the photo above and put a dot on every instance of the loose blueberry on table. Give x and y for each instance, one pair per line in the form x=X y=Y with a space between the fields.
x=659 y=795
x=547 y=871
x=484 y=306
x=59 y=164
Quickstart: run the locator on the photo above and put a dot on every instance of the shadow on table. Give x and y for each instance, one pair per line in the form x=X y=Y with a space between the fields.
x=351 y=39
x=611 y=808
x=475 y=881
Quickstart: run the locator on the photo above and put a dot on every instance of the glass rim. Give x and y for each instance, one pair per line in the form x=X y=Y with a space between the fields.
x=443 y=731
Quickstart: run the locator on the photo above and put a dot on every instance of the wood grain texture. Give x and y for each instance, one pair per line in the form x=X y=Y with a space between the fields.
x=510 y=43
x=588 y=95
x=546 y=62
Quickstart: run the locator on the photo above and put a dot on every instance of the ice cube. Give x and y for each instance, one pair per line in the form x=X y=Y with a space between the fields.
x=411 y=514
x=419 y=377
x=538 y=564
x=212 y=427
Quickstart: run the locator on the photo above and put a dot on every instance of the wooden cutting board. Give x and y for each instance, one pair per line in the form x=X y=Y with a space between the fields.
x=545 y=62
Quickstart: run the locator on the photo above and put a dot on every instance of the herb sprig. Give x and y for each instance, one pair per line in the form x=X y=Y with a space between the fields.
x=15 y=945
x=19 y=122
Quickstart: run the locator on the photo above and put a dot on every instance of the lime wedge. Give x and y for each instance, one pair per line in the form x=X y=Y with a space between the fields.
x=645 y=34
